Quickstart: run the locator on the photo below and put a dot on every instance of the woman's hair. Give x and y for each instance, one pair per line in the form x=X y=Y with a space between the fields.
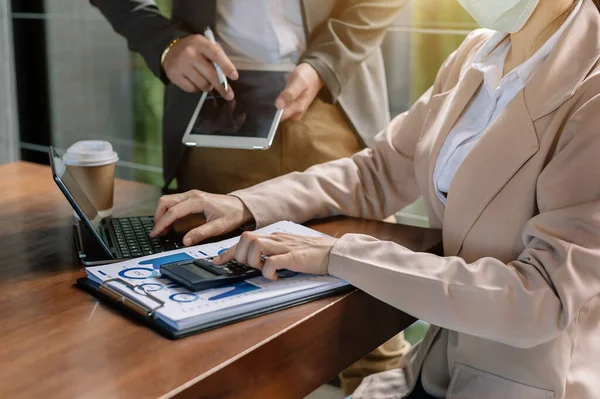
x=569 y=10
x=596 y=3
x=562 y=17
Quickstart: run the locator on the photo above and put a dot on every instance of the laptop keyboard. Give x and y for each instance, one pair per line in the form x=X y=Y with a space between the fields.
x=133 y=240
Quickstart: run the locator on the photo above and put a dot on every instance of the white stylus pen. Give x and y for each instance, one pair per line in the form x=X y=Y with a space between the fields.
x=208 y=33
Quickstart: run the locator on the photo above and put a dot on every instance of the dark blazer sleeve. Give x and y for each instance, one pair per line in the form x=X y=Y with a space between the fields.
x=347 y=38
x=147 y=31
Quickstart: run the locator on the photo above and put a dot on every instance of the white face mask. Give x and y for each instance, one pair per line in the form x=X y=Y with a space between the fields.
x=508 y=16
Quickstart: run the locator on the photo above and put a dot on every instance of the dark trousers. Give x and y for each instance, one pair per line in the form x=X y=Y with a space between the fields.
x=419 y=392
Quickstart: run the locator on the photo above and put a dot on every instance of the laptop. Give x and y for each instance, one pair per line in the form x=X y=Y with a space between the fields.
x=107 y=240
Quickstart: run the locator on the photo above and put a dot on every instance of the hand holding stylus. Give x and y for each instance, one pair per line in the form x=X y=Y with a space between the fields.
x=190 y=64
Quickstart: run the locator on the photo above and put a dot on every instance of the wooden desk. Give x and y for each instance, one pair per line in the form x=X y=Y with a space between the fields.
x=58 y=341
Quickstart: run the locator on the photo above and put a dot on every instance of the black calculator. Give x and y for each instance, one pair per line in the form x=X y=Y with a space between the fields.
x=202 y=274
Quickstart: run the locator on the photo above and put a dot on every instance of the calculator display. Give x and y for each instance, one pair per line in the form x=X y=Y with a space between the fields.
x=202 y=274
x=198 y=271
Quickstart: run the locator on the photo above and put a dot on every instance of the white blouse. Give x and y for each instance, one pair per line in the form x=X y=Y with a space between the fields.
x=261 y=31
x=491 y=99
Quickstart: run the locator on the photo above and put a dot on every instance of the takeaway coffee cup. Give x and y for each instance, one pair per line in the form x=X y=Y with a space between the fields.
x=92 y=165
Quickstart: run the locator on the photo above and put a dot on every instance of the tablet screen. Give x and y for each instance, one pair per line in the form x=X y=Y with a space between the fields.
x=249 y=114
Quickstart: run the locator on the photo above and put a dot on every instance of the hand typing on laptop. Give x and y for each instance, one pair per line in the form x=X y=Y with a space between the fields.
x=224 y=213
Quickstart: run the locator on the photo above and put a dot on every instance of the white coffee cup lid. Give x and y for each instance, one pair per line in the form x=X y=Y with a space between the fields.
x=90 y=153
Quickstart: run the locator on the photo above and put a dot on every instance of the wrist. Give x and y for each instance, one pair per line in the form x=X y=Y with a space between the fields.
x=314 y=76
x=326 y=74
x=331 y=244
x=166 y=51
x=247 y=217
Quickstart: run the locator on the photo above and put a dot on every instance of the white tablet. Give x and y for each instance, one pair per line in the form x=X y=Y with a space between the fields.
x=249 y=121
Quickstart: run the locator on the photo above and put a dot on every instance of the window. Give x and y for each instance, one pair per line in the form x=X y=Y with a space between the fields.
x=77 y=80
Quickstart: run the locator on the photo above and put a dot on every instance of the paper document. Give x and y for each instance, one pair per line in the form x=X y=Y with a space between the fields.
x=184 y=309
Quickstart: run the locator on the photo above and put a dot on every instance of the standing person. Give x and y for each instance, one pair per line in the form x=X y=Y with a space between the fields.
x=335 y=97
x=504 y=149
x=334 y=101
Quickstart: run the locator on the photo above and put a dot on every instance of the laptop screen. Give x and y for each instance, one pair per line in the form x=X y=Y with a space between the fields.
x=74 y=190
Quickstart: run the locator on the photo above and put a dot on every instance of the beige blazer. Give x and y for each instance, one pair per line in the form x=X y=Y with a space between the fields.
x=516 y=297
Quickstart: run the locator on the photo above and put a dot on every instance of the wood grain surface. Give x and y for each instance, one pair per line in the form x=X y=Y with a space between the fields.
x=56 y=341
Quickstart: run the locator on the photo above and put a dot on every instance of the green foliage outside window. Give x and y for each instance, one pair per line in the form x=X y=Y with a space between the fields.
x=148 y=111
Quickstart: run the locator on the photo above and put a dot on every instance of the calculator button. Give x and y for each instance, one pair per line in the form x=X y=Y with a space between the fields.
x=285 y=273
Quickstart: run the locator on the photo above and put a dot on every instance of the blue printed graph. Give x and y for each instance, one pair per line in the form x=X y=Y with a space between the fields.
x=163 y=260
x=235 y=289
x=138 y=273
x=184 y=297
x=173 y=286
x=151 y=287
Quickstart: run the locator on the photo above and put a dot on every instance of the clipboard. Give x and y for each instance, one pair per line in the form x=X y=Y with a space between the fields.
x=145 y=314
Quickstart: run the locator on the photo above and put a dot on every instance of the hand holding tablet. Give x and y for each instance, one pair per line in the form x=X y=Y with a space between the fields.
x=303 y=85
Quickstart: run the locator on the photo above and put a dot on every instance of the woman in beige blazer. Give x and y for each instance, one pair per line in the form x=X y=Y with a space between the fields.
x=515 y=302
